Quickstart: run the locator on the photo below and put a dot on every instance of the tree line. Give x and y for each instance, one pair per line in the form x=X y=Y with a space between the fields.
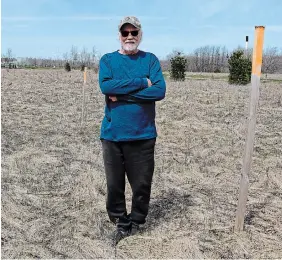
x=207 y=58
x=75 y=57
x=215 y=59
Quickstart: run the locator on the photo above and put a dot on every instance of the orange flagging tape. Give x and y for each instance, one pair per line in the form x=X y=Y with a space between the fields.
x=257 y=52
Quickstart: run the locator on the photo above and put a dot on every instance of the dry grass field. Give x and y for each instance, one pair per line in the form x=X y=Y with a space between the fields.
x=53 y=183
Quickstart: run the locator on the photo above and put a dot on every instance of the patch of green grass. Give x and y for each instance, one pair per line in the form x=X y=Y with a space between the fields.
x=271 y=80
x=200 y=76
x=196 y=78
x=205 y=77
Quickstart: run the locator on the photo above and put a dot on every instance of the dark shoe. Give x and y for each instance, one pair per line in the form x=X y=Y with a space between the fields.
x=134 y=229
x=118 y=235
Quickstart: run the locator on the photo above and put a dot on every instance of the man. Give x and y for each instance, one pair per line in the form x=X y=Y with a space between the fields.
x=131 y=81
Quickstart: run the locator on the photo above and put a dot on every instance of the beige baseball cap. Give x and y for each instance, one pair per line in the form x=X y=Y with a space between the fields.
x=131 y=20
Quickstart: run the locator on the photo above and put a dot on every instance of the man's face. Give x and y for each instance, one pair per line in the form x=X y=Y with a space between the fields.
x=128 y=41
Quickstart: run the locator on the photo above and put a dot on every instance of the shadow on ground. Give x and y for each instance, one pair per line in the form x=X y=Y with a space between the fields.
x=167 y=206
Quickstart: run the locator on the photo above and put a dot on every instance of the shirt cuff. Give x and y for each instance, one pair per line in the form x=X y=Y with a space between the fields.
x=145 y=82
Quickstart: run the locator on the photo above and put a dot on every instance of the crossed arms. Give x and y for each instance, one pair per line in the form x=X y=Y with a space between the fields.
x=133 y=90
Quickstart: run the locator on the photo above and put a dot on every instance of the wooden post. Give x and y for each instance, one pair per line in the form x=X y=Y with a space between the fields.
x=256 y=73
x=83 y=95
x=84 y=75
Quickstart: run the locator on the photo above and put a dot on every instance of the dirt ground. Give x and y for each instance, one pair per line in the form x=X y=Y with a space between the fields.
x=53 y=183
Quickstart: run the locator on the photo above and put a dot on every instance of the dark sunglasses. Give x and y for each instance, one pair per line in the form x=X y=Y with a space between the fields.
x=126 y=33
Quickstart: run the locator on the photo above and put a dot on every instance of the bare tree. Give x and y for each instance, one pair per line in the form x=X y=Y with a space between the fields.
x=197 y=60
x=74 y=55
x=9 y=55
x=204 y=58
x=217 y=67
x=224 y=60
x=85 y=57
x=270 y=60
x=94 y=56
x=65 y=57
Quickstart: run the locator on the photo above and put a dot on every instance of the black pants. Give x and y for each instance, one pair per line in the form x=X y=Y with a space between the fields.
x=136 y=160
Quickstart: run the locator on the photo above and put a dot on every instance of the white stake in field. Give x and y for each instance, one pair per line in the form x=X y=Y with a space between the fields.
x=246 y=46
x=256 y=73
x=83 y=96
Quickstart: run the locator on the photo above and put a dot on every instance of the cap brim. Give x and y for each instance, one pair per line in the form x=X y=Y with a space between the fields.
x=128 y=23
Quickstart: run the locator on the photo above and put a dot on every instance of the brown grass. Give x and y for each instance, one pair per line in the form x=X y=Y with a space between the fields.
x=53 y=184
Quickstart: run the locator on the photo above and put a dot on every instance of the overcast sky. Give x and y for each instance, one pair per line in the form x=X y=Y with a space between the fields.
x=48 y=28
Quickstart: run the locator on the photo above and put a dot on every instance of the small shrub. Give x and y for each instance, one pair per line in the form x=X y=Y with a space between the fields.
x=178 y=65
x=240 y=68
x=67 y=67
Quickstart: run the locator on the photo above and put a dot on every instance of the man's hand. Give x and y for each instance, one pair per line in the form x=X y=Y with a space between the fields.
x=113 y=98
x=149 y=83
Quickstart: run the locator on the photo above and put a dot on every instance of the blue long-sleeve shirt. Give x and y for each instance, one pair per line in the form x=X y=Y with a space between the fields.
x=132 y=117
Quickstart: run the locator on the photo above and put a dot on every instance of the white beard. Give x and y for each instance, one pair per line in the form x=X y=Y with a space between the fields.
x=130 y=46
